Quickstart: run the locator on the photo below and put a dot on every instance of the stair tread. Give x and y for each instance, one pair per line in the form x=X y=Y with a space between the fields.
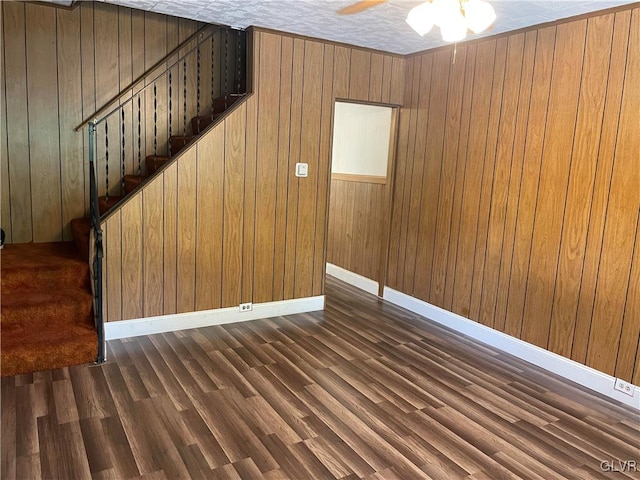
x=32 y=266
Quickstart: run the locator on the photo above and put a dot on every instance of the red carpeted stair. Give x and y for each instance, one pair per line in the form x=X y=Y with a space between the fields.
x=46 y=308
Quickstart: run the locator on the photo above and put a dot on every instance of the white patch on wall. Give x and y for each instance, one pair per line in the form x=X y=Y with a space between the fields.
x=361 y=139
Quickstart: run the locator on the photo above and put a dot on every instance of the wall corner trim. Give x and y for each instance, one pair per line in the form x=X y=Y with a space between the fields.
x=206 y=318
x=576 y=372
x=363 y=283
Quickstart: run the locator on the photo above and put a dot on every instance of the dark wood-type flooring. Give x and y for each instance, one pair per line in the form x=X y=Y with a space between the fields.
x=361 y=390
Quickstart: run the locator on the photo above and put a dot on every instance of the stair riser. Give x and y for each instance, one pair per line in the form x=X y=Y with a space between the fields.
x=155 y=163
x=178 y=143
x=80 y=349
x=198 y=124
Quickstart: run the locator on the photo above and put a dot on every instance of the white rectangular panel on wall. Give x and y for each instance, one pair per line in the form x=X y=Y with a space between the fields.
x=361 y=139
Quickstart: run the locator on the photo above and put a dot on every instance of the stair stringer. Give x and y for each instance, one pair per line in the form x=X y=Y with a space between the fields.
x=163 y=243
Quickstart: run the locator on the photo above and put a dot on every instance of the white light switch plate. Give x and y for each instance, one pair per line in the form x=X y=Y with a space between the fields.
x=302 y=169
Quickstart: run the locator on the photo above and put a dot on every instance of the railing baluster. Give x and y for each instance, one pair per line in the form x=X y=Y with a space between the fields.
x=226 y=65
x=106 y=159
x=155 y=120
x=139 y=137
x=239 y=61
x=184 y=93
x=198 y=88
x=123 y=142
x=213 y=63
x=170 y=109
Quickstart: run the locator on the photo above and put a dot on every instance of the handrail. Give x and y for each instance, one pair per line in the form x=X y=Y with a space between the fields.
x=122 y=91
x=150 y=84
x=94 y=213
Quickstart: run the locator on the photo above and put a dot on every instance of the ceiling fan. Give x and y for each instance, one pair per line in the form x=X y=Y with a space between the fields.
x=359 y=6
x=454 y=17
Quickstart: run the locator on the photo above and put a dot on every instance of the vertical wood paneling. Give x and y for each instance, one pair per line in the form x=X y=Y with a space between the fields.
x=42 y=90
x=132 y=259
x=538 y=206
x=515 y=183
x=251 y=150
x=600 y=201
x=113 y=268
x=434 y=134
x=448 y=178
x=17 y=121
x=413 y=195
x=324 y=172
x=248 y=232
x=87 y=61
x=309 y=153
x=234 y=155
x=463 y=137
x=282 y=182
x=377 y=77
x=401 y=190
x=401 y=152
x=153 y=249
x=597 y=54
x=354 y=240
x=387 y=72
x=70 y=102
x=359 y=74
x=530 y=179
x=210 y=224
x=475 y=163
x=125 y=56
x=488 y=171
x=621 y=222
x=397 y=81
x=501 y=181
x=267 y=170
x=186 y=232
x=563 y=98
x=294 y=157
x=342 y=72
x=170 y=206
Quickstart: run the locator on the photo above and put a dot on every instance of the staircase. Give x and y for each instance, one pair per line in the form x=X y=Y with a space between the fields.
x=81 y=227
x=47 y=316
x=51 y=312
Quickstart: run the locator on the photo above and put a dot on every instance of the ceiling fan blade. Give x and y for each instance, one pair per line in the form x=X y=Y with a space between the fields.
x=359 y=7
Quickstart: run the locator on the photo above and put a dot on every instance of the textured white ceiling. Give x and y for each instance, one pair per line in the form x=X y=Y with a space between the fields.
x=382 y=27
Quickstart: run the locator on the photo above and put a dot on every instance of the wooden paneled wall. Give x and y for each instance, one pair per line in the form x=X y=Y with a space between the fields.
x=229 y=222
x=356 y=216
x=59 y=67
x=517 y=198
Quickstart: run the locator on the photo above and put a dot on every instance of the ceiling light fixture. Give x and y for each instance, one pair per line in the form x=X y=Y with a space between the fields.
x=454 y=17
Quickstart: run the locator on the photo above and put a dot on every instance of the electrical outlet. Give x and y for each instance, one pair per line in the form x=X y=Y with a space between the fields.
x=246 y=307
x=624 y=387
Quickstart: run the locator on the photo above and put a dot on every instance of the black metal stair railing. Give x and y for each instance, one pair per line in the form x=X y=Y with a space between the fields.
x=144 y=124
x=96 y=274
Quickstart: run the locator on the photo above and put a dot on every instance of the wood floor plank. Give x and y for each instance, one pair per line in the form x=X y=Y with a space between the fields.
x=362 y=390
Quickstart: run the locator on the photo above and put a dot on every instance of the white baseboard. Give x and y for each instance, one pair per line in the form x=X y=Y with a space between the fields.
x=363 y=283
x=221 y=316
x=562 y=366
